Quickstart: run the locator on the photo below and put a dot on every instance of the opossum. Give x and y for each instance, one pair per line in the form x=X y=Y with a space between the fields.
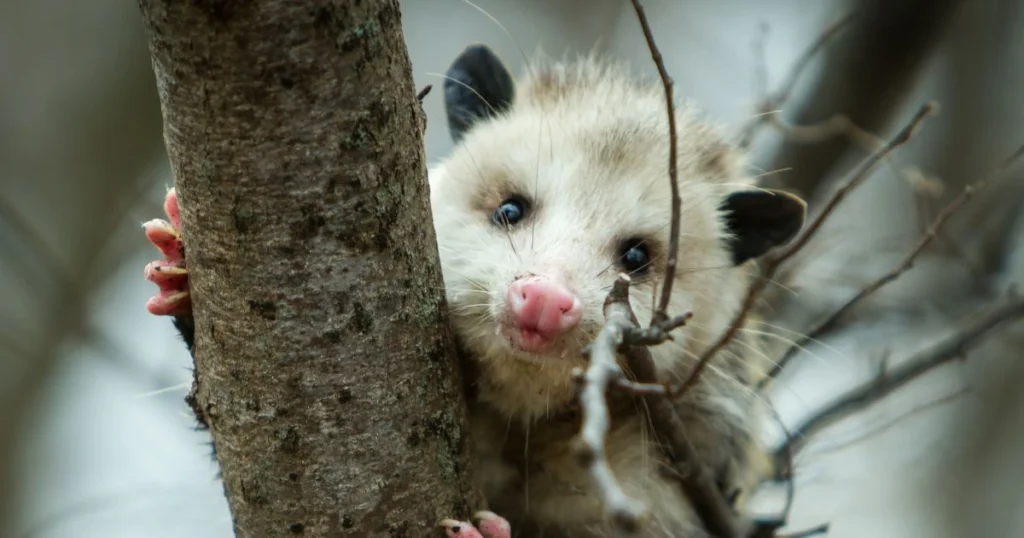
x=558 y=183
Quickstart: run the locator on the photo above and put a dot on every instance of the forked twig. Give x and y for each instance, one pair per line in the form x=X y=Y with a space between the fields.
x=697 y=481
x=603 y=372
x=890 y=379
x=905 y=264
x=772 y=263
x=621 y=333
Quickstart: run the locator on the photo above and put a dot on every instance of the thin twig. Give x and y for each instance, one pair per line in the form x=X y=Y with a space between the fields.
x=813 y=531
x=621 y=332
x=862 y=436
x=905 y=264
x=697 y=482
x=854 y=179
x=661 y=314
x=760 y=43
x=784 y=471
x=640 y=389
x=859 y=174
x=770 y=105
x=602 y=372
x=696 y=479
x=835 y=125
x=423 y=93
x=770 y=112
x=890 y=379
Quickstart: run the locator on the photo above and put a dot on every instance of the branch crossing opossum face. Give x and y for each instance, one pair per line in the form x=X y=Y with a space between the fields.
x=558 y=183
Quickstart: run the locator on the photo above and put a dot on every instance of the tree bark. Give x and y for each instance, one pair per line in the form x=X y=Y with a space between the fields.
x=325 y=369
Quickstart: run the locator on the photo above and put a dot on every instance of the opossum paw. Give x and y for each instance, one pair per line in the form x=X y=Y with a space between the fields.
x=168 y=273
x=490 y=525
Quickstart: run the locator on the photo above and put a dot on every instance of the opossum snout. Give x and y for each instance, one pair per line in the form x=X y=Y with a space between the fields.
x=541 y=309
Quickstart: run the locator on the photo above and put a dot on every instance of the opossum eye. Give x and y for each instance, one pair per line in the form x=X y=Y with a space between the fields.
x=511 y=211
x=633 y=257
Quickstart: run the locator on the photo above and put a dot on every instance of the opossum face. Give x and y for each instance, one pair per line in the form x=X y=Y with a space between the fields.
x=559 y=185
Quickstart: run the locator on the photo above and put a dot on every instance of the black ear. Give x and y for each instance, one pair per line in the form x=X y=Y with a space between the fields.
x=478 y=86
x=761 y=220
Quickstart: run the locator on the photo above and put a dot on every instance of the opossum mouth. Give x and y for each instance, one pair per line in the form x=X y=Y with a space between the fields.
x=529 y=339
x=535 y=345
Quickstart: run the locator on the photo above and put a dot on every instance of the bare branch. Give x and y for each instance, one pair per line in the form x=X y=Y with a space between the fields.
x=770 y=105
x=890 y=379
x=698 y=483
x=602 y=372
x=859 y=174
x=661 y=314
x=905 y=265
x=865 y=72
x=621 y=332
x=854 y=179
x=834 y=126
x=424 y=92
x=813 y=531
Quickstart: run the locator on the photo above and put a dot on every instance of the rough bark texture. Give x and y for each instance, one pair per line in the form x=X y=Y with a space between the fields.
x=325 y=369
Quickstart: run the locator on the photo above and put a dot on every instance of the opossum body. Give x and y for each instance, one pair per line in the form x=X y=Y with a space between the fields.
x=558 y=183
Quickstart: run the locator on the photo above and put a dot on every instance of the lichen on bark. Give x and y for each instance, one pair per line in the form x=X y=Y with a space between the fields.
x=325 y=368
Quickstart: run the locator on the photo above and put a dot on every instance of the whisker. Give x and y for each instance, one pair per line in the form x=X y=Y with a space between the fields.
x=803 y=336
x=464 y=85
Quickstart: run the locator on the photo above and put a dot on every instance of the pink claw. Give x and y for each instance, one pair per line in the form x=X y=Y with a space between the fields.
x=171 y=208
x=491 y=526
x=162 y=271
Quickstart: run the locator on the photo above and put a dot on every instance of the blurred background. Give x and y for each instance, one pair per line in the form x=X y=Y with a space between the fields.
x=97 y=441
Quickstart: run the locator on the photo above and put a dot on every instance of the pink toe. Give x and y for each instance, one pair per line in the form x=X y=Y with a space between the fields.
x=169 y=303
x=460 y=529
x=164 y=237
x=493 y=526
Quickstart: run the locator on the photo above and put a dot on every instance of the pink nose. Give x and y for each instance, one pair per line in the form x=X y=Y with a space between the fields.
x=543 y=306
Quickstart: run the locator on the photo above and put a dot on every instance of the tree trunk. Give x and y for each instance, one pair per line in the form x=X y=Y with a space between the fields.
x=325 y=369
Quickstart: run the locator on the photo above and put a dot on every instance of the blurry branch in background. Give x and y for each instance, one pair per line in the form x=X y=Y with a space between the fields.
x=887 y=380
x=867 y=70
x=905 y=265
x=65 y=293
x=770 y=105
x=773 y=261
x=36 y=361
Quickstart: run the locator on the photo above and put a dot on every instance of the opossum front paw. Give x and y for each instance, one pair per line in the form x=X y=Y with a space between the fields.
x=168 y=273
x=490 y=525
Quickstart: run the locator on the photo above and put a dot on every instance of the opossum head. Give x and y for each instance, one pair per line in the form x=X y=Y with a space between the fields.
x=558 y=183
